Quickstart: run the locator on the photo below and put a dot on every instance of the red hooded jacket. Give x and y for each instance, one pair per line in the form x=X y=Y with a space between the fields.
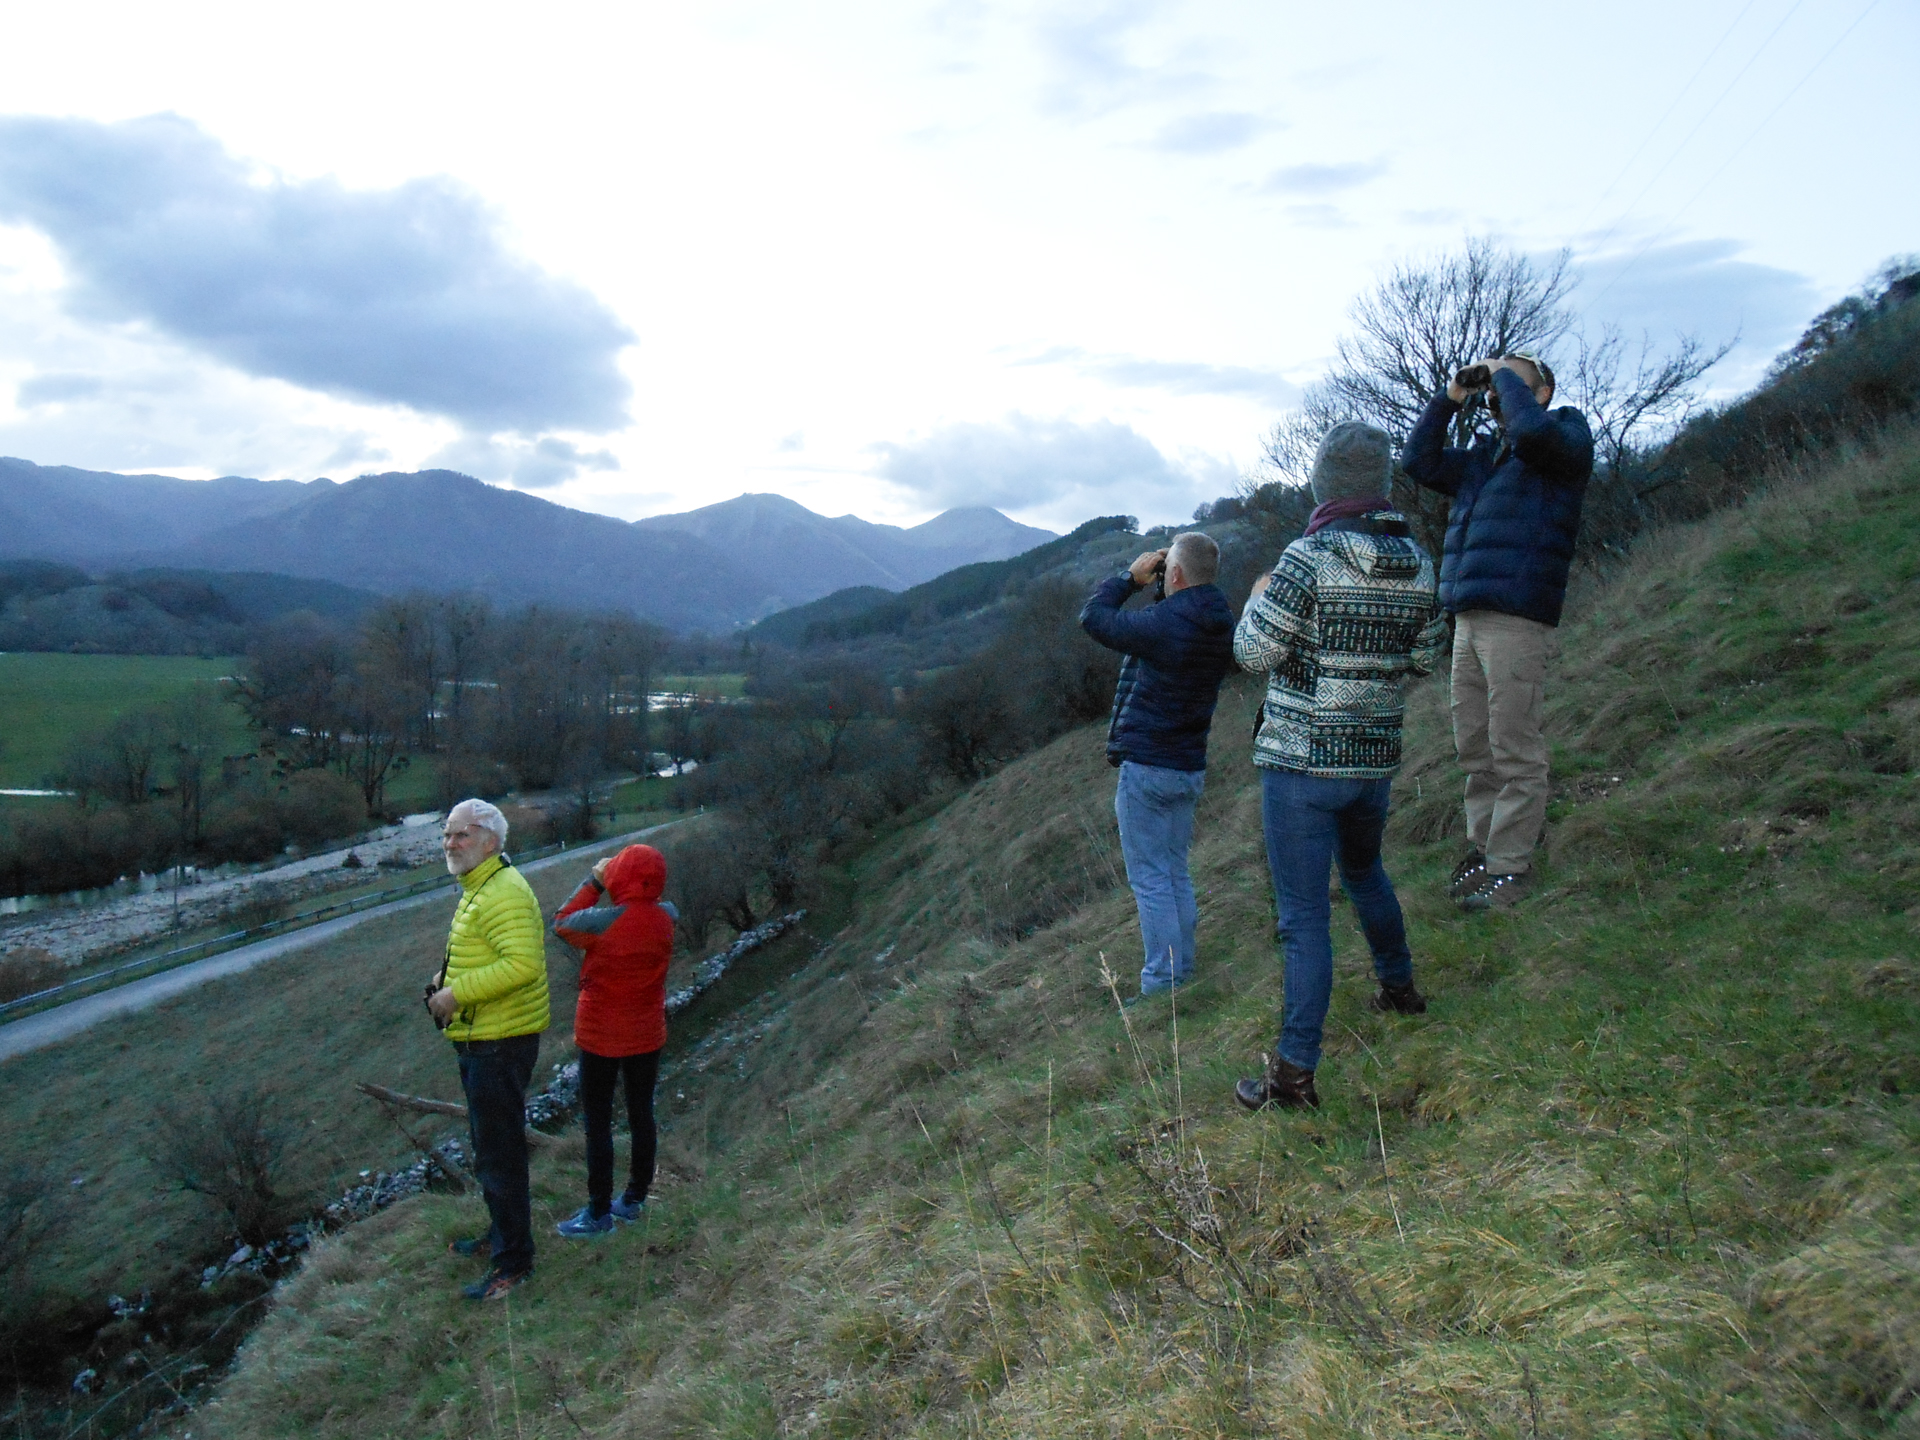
x=627 y=940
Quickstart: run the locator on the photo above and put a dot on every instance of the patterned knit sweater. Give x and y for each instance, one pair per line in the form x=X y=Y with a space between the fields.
x=1349 y=614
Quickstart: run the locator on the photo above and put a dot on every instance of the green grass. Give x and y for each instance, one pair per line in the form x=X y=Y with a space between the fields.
x=303 y=1028
x=1647 y=1167
x=726 y=686
x=48 y=702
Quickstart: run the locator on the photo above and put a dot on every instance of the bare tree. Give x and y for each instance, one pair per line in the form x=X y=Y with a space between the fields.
x=710 y=881
x=1426 y=319
x=400 y=650
x=1412 y=331
x=230 y=1152
x=291 y=686
x=193 y=742
x=121 y=764
x=463 y=625
x=1627 y=402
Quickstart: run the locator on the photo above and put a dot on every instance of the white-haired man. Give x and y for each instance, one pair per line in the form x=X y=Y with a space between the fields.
x=491 y=998
x=1178 y=652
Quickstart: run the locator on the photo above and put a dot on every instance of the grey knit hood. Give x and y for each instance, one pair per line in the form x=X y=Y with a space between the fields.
x=1354 y=462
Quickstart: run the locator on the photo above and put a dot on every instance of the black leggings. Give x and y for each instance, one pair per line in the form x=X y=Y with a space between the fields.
x=598 y=1075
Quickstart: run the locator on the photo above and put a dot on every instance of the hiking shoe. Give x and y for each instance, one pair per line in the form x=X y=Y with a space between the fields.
x=1285 y=1085
x=583 y=1224
x=627 y=1210
x=1399 y=1000
x=1495 y=892
x=472 y=1245
x=1468 y=874
x=496 y=1284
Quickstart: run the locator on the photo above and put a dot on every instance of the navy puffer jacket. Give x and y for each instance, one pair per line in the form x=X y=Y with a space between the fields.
x=1516 y=502
x=1177 y=653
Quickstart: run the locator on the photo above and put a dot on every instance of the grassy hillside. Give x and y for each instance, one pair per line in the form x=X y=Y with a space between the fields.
x=48 y=702
x=1648 y=1166
x=300 y=1030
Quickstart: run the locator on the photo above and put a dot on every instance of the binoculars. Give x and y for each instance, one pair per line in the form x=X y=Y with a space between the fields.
x=1473 y=377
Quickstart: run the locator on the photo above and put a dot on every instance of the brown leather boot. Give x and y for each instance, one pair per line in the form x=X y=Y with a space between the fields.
x=1285 y=1084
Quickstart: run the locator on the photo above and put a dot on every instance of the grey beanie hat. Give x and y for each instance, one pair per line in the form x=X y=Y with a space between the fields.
x=1354 y=462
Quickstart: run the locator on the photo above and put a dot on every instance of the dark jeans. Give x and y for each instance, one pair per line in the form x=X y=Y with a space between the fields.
x=495 y=1073
x=1312 y=821
x=598 y=1076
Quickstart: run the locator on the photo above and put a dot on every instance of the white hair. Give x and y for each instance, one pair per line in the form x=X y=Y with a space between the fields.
x=487 y=816
x=1197 y=556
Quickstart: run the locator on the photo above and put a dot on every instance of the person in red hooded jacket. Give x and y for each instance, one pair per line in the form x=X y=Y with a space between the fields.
x=617 y=921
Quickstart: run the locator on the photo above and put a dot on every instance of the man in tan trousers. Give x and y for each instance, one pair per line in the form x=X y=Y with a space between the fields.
x=1503 y=577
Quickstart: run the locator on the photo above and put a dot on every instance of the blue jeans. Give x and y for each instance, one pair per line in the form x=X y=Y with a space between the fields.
x=1312 y=821
x=495 y=1074
x=1155 y=810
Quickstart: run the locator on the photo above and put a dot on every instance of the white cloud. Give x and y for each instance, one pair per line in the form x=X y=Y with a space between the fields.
x=399 y=296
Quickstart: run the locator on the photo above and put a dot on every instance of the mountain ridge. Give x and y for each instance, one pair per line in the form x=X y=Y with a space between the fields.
x=713 y=568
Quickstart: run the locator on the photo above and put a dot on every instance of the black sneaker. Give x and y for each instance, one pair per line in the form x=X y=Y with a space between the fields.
x=1399 y=1000
x=496 y=1284
x=1471 y=870
x=1285 y=1085
x=1495 y=892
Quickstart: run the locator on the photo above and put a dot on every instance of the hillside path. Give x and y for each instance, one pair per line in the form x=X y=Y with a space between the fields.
x=63 y=1022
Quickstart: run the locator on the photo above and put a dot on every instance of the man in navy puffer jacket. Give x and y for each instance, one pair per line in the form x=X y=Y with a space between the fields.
x=1178 y=652
x=1510 y=538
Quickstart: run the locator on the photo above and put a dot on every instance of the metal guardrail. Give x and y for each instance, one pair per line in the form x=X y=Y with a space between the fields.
x=202 y=949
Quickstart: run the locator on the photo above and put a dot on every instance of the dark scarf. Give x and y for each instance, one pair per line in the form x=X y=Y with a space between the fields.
x=1349 y=509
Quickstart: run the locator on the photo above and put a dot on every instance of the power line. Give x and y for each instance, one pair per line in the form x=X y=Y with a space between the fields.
x=1678 y=149
x=1685 y=89
x=1738 y=150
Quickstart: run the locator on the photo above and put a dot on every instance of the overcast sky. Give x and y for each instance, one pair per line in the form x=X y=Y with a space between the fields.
x=883 y=258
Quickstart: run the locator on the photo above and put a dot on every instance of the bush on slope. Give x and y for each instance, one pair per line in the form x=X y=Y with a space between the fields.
x=1648 y=1165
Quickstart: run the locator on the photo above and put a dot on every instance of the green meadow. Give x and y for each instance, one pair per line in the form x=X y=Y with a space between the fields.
x=49 y=702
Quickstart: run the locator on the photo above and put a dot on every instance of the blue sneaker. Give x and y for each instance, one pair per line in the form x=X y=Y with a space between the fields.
x=627 y=1211
x=583 y=1224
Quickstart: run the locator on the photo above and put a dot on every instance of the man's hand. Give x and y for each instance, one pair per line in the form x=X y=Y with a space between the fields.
x=1459 y=393
x=1141 y=571
x=442 y=1004
x=600 y=870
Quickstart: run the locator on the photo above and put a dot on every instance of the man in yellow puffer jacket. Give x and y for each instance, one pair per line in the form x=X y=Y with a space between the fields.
x=492 y=998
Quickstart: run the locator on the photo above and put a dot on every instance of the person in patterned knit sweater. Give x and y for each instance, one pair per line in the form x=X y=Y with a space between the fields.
x=1349 y=613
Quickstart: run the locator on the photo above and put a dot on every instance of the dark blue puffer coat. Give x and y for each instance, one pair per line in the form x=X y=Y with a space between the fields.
x=1177 y=653
x=1516 y=502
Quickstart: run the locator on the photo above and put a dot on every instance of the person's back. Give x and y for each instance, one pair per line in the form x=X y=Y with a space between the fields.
x=1338 y=631
x=617 y=921
x=1346 y=618
x=1177 y=653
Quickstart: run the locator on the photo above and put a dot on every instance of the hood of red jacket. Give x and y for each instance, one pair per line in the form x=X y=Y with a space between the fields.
x=636 y=875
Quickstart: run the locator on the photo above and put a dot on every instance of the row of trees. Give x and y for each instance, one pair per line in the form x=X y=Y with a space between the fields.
x=536 y=697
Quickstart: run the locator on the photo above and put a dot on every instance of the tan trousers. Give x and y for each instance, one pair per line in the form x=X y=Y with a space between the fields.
x=1499 y=684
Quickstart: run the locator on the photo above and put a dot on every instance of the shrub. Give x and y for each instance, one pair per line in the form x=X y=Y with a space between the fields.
x=317 y=806
x=230 y=1153
x=28 y=971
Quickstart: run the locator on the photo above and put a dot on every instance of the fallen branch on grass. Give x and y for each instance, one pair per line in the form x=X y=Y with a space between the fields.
x=432 y=1107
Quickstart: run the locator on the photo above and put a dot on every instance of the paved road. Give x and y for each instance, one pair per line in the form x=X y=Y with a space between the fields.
x=63 y=1022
